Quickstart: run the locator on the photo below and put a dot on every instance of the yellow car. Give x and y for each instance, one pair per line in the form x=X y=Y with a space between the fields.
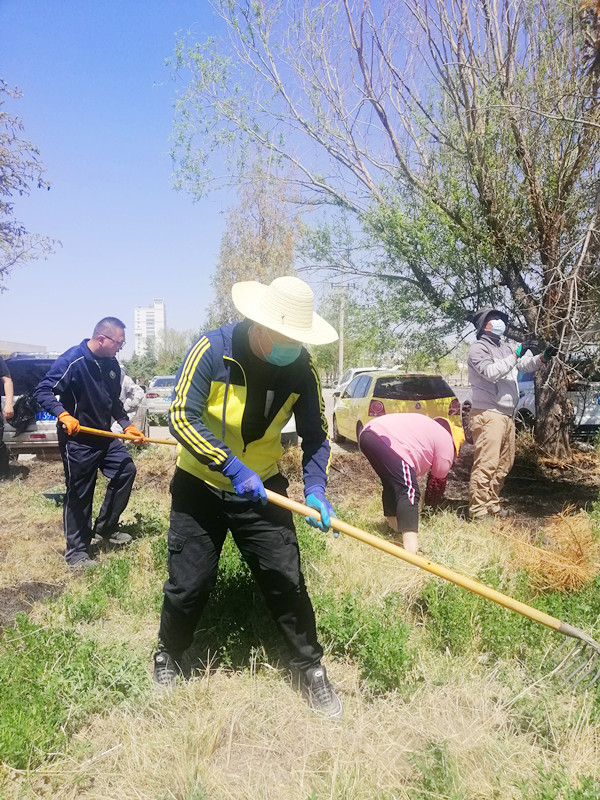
x=372 y=394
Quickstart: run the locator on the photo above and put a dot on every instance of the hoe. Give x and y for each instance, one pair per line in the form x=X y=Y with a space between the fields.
x=580 y=664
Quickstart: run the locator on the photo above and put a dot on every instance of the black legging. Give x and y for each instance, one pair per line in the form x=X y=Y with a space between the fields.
x=400 y=495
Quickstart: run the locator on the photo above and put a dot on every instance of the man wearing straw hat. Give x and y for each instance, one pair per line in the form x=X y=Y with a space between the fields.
x=235 y=391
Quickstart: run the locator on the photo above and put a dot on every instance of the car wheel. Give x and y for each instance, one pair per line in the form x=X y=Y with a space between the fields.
x=335 y=434
x=524 y=421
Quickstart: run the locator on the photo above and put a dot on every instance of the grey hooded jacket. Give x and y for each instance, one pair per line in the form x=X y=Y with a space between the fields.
x=493 y=371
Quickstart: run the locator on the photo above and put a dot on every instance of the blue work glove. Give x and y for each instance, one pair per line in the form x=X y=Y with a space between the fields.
x=245 y=481
x=315 y=498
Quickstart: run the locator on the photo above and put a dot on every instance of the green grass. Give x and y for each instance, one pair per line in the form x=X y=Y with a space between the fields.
x=52 y=680
x=55 y=677
x=374 y=637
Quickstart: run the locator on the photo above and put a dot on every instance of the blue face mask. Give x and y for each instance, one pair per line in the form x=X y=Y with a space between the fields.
x=283 y=353
x=498 y=327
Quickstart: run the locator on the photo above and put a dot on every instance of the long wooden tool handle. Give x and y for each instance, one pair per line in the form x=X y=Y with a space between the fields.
x=113 y=435
x=430 y=566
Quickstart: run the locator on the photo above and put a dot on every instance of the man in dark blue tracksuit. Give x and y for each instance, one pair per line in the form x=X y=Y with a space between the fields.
x=87 y=378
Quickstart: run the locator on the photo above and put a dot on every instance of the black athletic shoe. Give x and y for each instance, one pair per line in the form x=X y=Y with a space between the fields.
x=166 y=669
x=83 y=564
x=319 y=693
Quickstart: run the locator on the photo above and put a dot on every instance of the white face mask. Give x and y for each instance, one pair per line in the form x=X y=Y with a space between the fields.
x=498 y=327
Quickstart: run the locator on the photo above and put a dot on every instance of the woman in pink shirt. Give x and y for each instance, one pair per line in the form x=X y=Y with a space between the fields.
x=400 y=447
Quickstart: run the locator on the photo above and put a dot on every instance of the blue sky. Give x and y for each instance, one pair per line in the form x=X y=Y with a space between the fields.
x=97 y=102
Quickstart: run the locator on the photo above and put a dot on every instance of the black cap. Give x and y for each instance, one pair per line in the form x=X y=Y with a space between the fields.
x=480 y=318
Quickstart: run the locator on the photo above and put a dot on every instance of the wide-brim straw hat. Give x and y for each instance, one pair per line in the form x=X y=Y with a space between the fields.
x=456 y=431
x=285 y=306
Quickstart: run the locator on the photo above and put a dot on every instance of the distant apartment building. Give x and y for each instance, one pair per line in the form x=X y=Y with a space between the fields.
x=149 y=327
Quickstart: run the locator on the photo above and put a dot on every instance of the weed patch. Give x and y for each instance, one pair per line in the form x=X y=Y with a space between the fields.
x=51 y=681
x=557 y=786
x=375 y=637
x=439 y=774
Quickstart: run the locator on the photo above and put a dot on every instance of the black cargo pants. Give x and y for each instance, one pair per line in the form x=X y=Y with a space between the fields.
x=266 y=538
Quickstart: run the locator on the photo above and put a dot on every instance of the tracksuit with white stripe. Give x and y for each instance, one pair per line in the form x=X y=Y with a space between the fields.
x=89 y=389
x=228 y=402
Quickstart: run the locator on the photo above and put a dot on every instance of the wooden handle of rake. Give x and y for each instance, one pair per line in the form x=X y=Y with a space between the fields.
x=113 y=435
x=431 y=566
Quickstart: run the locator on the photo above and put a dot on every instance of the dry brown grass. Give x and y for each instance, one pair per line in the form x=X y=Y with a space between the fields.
x=247 y=735
x=232 y=736
x=567 y=556
x=31 y=537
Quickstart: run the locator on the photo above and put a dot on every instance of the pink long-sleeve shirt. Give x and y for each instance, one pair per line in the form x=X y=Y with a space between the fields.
x=420 y=441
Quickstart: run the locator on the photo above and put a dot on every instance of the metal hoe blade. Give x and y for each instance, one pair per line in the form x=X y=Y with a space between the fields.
x=582 y=663
x=579 y=665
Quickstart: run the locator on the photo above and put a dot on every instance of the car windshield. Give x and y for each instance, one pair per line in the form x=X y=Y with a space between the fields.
x=162 y=382
x=405 y=387
x=27 y=374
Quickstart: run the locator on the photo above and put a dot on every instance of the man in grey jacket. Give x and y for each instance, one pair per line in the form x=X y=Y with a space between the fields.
x=493 y=369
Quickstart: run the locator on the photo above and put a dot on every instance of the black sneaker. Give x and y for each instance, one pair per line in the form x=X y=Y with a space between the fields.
x=166 y=669
x=119 y=538
x=83 y=564
x=319 y=693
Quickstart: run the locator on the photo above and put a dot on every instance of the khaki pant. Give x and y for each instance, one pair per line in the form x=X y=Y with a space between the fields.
x=494 y=440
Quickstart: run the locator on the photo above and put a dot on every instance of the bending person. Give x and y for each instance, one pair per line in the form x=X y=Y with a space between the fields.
x=400 y=448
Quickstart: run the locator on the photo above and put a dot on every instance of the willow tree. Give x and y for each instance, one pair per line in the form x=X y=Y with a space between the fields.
x=463 y=133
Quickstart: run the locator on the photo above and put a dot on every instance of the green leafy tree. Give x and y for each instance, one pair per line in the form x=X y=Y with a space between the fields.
x=143 y=366
x=385 y=325
x=463 y=134
x=20 y=169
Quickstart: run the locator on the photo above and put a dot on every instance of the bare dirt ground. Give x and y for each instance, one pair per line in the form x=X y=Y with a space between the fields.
x=535 y=489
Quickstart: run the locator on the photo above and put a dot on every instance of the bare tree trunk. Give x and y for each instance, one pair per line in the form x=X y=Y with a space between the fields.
x=553 y=410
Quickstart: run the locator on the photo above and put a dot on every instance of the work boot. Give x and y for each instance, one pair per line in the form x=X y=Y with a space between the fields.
x=319 y=693
x=166 y=669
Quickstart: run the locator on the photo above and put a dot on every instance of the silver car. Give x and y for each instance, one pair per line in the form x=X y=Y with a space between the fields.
x=584 y=396
x=160 y=394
